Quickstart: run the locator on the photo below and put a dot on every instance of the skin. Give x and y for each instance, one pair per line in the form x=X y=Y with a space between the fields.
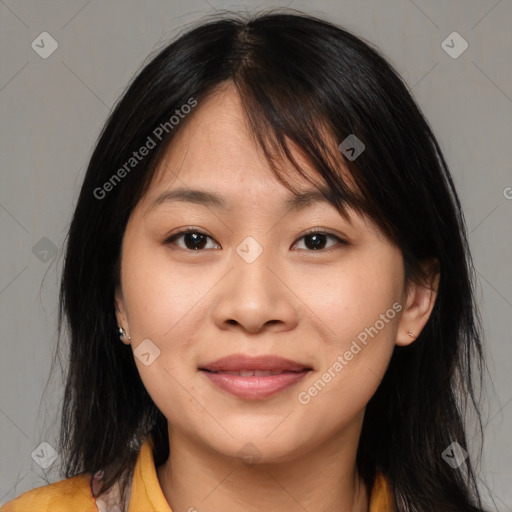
x=293 y=301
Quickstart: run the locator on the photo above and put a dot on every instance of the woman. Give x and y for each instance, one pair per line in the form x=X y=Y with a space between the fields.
x=269 y=226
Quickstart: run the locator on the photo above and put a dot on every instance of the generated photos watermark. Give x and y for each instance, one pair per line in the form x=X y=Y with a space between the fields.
x=145 y=149
x=304 y=397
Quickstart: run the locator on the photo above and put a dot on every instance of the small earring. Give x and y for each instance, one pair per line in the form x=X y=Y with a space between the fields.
x=411 y=334
x=123 y=333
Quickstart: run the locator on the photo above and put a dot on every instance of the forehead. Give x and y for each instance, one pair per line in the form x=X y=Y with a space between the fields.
x=215 y=149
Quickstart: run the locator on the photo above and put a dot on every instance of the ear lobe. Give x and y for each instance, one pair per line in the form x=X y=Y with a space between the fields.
x=420 y=302
x=121 y=316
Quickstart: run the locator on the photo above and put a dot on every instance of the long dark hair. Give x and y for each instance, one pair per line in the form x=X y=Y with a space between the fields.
x=297 y=76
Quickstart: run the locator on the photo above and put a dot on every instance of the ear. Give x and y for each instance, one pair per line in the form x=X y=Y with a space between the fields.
x=419 y=303
x=121 y=315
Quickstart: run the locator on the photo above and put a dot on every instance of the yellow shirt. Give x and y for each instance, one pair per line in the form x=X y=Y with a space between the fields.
x=74 y=494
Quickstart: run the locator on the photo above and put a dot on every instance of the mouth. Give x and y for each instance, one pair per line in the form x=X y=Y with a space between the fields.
x=250 y=377
x=252 y=373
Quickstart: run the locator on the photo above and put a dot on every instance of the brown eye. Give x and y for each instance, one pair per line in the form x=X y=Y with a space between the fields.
x=193 y=239
x=317 y=240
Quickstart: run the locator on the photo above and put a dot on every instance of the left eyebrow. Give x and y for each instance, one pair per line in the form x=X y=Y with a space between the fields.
x=206 y=198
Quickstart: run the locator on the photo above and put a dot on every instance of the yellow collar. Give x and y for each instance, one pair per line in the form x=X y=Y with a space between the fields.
x=146 y=493
x=75 y=493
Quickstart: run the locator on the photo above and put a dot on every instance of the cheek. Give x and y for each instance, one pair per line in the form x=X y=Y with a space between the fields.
x=161 y=298
x=163 y=306
x=360 y=309
x=353 y=297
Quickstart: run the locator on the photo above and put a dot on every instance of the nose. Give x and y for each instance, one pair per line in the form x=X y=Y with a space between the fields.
x=255 y=297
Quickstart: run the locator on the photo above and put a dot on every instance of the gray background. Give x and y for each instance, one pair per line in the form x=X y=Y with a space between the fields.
x=53 y=109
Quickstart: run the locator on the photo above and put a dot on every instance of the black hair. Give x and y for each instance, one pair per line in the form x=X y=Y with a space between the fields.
x=299 y=77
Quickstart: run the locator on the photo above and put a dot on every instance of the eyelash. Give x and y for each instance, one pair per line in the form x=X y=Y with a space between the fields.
x=313 y=231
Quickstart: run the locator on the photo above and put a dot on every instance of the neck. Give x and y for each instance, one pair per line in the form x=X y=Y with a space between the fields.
x=324 y=479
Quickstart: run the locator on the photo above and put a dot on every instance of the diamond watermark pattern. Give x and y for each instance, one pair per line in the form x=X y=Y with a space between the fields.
x=249 y=454
x=146 y=352
x=351 y=147
x=454 y=455
x=454 y=45
x=45 y=455
x=44 y=250
x=249 y=249
x=44 y=45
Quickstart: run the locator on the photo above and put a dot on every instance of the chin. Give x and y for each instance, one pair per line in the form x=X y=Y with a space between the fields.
x=259 y=448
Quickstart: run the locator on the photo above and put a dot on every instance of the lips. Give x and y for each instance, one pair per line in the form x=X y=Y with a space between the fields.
x=250 y=377
x=253 y=373
x=242 y=363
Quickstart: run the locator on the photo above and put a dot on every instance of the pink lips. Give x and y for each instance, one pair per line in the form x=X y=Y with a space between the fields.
x=251 y=377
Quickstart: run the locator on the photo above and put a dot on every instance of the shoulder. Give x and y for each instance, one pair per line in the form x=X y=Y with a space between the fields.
x=68 y=495
x=382 y=499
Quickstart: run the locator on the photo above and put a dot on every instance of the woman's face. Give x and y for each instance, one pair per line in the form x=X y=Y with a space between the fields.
x=257 y=285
